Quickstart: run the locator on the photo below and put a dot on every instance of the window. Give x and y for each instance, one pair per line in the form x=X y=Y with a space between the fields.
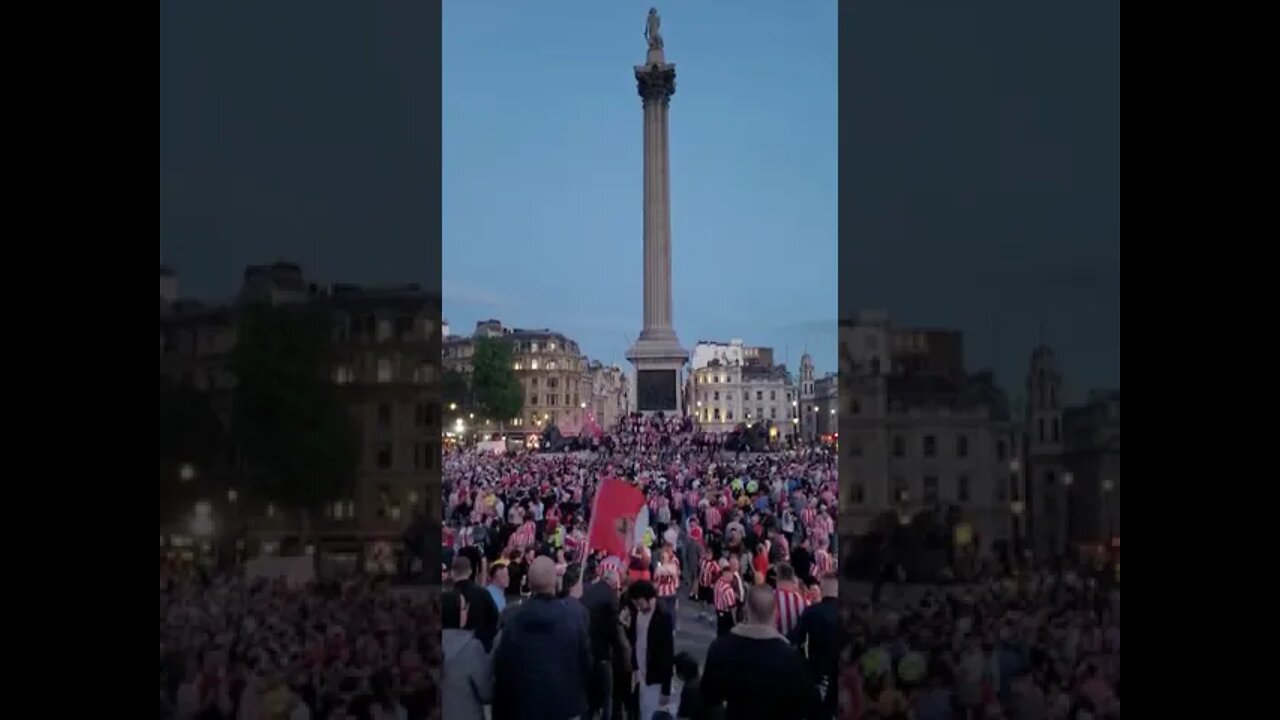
x=746 y=394
x=551 y=347
x=575 y=399
x=1050 y=479
x=900 y=493
x=962 y=489
x=533 y=347
x=533 y=383
x=551 y=365
x=342 y=375
x=1053 y=396
x=856 y=493
x=384 y=457
x=715 y=395
x=962 y=446
x=384 y=415
x=773 y=395
x=424 y=373
x=875 y=365
x=773 y=412
x=533 y=364
x=424 y=457
x=759 y=413
x=1001 y=451
x=728 y=414
x=716 y=413
x=533 y=399
x=788 y=396
x=1042 y=433
x=930 y=446
x=931 y=489
x=384 y=370
x=553 y=399
x=760 y=395
x=551 y=382
x=899 y=446
x=384 y=330
x=404 y=326
x=423 y=415
x=1056 y=430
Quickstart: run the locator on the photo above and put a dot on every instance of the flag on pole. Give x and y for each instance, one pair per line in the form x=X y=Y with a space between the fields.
x=618 y=516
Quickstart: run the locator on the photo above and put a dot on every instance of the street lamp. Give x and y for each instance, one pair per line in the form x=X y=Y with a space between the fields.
x=453 y=406
x=1017 y=507
x=1068 y=480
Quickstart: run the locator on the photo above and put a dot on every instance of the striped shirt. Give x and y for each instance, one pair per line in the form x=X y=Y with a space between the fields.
x=822 y=563
x=710 y=571
x=808 y=516
x=713 y=518
x=790 y=604
x=726 y=594
x=524 y=536
x=824 y=526
x=667 y=579
x=464 y=538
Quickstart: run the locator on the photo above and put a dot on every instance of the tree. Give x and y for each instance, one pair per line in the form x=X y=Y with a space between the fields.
x=289 y=422
x=191 y=435
x=453 y=388
x=493 y=381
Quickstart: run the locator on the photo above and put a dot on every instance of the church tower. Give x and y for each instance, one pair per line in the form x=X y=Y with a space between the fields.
x=1047 y=481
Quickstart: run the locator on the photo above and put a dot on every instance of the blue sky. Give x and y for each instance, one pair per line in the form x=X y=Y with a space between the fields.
x=542 y=170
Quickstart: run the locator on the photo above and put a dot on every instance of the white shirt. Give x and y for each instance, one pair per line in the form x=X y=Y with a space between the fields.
x=642 y=640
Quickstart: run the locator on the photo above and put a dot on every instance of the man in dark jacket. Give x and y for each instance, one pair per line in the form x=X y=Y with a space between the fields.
x=482 y=612
x=653 y=648
x=542 y=665
x=802 y=560
x=601 y=601
x=819 y=635
x=755 y=673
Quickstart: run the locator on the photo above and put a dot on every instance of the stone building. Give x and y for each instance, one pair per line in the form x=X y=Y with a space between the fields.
x=1073 y=464
x=920 y=433
x=610 y=393
x=552 y=371
x=818 y=409
x=387 y=351
x=727 y=395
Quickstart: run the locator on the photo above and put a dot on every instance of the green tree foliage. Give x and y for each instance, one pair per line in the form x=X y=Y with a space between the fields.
x=453 y=387
x=289 y=421
x=191 y=433
x=494 y=384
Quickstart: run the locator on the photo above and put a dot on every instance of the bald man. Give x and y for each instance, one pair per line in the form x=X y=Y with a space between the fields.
x=755 y=673
x=542 y=665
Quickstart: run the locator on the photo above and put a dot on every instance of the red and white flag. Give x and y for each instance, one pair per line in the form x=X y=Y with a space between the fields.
x=618 y=518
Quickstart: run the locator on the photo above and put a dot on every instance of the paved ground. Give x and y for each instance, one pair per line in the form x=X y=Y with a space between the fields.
x=693 y=635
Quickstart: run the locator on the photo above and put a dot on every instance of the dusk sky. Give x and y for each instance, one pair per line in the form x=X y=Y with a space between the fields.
x=543 y=171
x=981 y=159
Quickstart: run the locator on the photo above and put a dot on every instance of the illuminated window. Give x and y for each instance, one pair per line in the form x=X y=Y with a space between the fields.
x=424 y=373
x=384 y=370
x=342 y=375
x=533 y=364
x=384 y=330
x=551 y=365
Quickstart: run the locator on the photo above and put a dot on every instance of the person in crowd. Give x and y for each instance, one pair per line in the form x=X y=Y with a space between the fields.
x=790 y=600
x=499 y=580
x=666 y=579
x=652 y=637
x=728 y=592
x=818 y=634
x=753 y=672
x=606 y=637
x=466 y=683
x=692 y=706
x=542 y=666
x=482 y=615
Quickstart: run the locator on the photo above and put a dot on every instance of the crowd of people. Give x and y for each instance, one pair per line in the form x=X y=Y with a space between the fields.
x=237 y=650
x=571 y=631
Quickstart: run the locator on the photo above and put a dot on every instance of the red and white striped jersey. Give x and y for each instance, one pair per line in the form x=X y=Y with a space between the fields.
x=667 y=579
x=726 y=597
x=790 y=604
x=710 y=571
x=695 y=534
x=822 y=563
x=807 y=516
x=713 y=518
x=523 y=537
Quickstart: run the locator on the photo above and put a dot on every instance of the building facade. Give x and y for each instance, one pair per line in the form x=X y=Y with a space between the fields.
x=920 y=435
x=1073 y=464
x=727 y=395
x=387 y=356
x=610 y=393
x=553 y=372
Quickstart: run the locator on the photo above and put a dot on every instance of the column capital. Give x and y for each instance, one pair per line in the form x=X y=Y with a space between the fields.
x=656 y=82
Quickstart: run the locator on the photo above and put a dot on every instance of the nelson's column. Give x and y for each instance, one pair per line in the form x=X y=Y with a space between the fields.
x=657 y=354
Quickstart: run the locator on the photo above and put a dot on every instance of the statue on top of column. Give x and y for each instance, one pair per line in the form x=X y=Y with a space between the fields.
x=652 y=31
